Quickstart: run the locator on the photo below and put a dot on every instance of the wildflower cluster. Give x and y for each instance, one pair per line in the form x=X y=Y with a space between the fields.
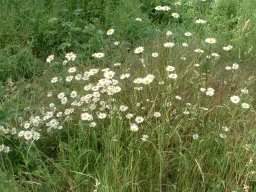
x=171 y=84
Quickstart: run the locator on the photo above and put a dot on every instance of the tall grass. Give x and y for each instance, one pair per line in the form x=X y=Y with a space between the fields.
x=195 y=136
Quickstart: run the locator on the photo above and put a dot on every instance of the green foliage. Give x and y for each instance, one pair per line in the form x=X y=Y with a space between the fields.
x=7 y=183
x=75 y=158
x=46 y=27
x=18 y=62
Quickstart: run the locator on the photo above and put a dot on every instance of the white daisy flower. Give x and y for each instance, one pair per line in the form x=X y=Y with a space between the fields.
x=169 y=45
x=235 y=99
x=139 y=50
x=110 y=32
x=86 y=117
x=139 y=119
x=134 y=127
x=157 y=114
x=245 y=106
x=155 y=54
x=211 y=40
x=98 y=55
x=195 y=136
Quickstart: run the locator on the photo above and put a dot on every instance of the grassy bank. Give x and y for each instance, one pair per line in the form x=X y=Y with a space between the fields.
x=134 y=98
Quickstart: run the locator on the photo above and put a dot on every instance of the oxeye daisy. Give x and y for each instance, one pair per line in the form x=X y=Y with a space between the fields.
x=50 y=58
x=117 y=64
x=110 y=32
x=170 y=68
x=129 y=116
x=245 y=91
x=195 y=136
x=169 y=33
x=92 y=124
x=70 y=56
x=157 y=114
x=210 y=92
x=235 y=99
x=138 y=19
x=98 y=55
x=73 y=94
x=139 y=50
x=223 y=136
x=200 y=21
x=144 y=138
x=199 y=51
x=228 y=48
x=228 y=68
x=123 y=108
x=216 y=55
x=202 y=89
x=161 y=83
x=245 y=105
x=54 y=80
x=172 y=76
x=28 y=135
x=225 y=128
x=186 y=112
x=49 y=94
x=178 y=97
x=125 y=76
x=175 y=15
x=235 y=66
x=86 y=117
x=78 y=77
x=134 y=127
x=72 y=70
x=169 y=45
x=139 y=119
x=183 y=58
x=61 y=95
x=116 y=43
x=69 y=78
x=211 y=40
x=184 y=44
x=162 y=8
x=155 y=54
x=101 y=115
x=188 y=34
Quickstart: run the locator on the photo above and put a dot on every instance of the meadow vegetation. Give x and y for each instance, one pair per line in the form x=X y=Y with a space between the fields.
x=127 y=96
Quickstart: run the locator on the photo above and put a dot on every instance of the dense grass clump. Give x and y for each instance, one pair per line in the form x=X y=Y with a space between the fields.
x=128 y=96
